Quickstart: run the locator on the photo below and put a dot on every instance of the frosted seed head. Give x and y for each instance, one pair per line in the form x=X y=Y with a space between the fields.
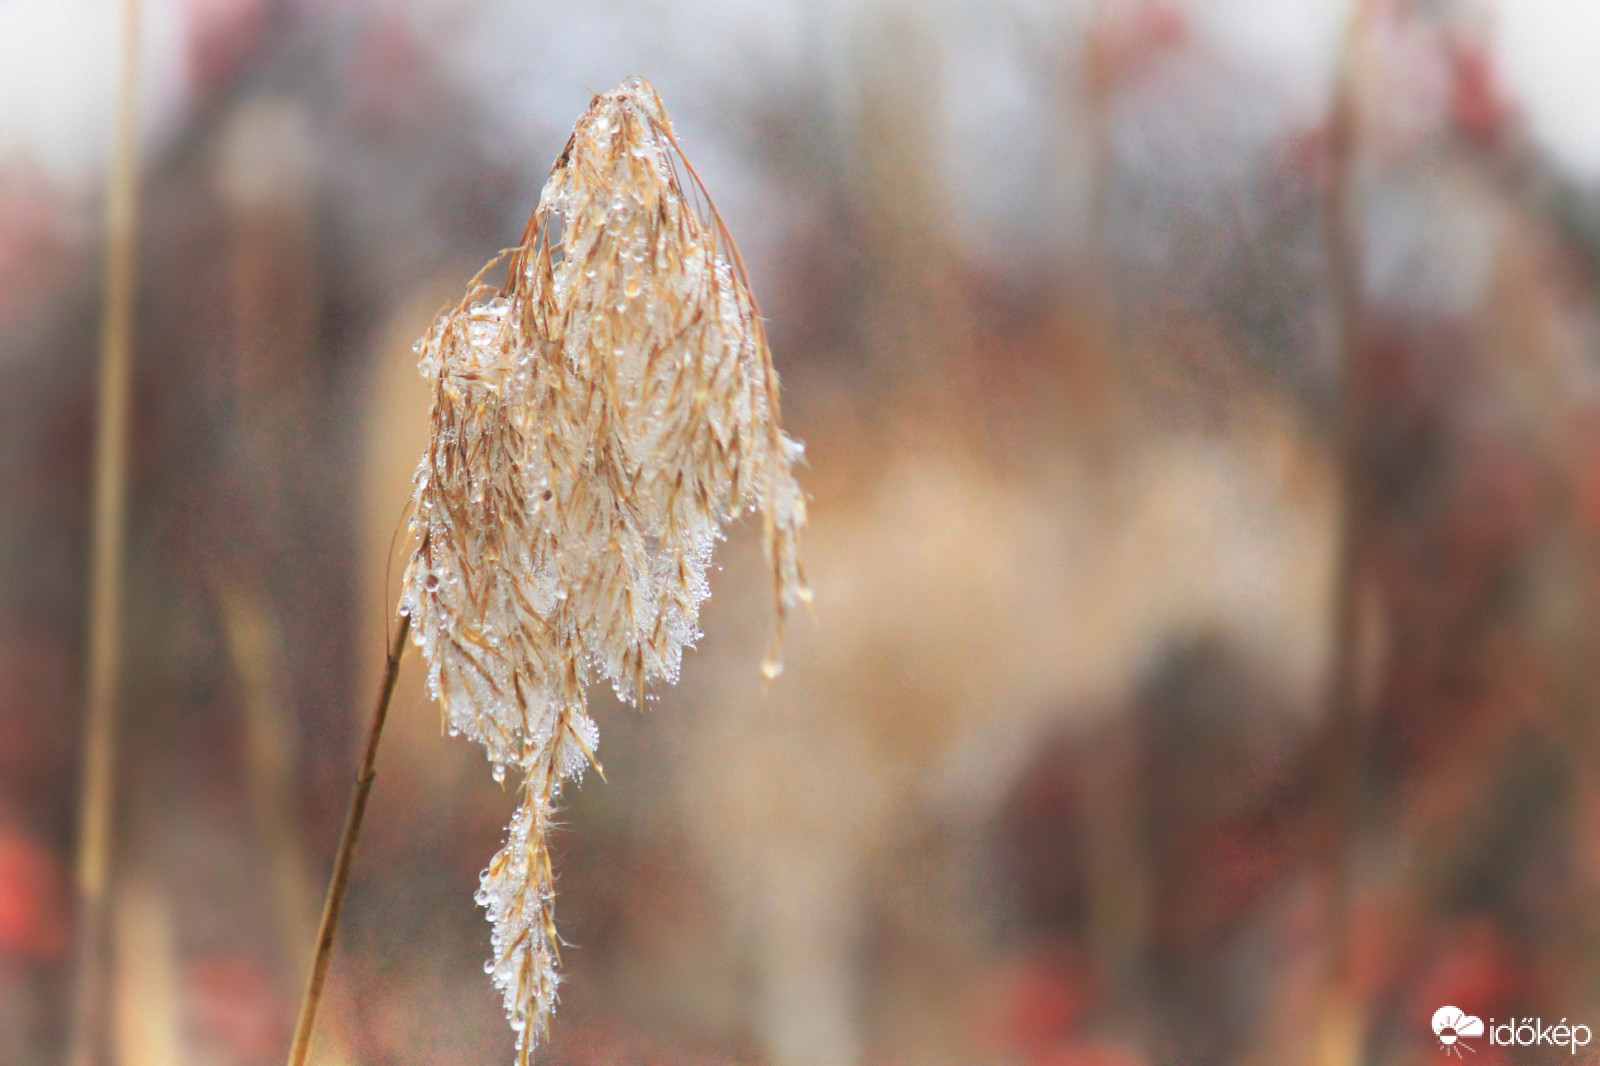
x=595 y=425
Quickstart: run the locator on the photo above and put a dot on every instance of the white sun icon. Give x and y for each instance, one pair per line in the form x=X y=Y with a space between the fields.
x=1453 y=1026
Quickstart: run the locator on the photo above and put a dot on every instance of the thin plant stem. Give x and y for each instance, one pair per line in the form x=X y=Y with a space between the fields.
x=339 y=883
x=98 y=782
x=1344 y=768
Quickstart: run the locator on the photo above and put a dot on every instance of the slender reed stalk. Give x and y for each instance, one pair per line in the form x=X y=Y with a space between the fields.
x=1338 y=1025
x=339 y=883
x=1117 y=869
x=86 y=1026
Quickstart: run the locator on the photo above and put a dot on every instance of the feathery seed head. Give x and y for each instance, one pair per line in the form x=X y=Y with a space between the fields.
x=597 y=423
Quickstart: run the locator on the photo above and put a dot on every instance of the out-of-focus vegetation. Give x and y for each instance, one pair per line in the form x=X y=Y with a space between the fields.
x=1051 y=778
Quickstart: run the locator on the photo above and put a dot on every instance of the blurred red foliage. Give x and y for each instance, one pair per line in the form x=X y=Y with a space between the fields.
x=33 y=912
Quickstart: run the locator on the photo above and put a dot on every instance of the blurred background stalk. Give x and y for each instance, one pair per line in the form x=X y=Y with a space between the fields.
x=270 y=757
x=1339 y=1023
x=145 y=1016
x=96 y=805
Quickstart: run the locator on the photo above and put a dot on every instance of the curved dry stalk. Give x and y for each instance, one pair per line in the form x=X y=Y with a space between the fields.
x=596 y=424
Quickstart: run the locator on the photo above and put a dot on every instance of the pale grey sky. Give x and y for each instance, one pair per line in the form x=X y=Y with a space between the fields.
x=57 y=57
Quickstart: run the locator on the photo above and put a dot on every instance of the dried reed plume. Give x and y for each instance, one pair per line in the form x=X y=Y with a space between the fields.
x=596 y=424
